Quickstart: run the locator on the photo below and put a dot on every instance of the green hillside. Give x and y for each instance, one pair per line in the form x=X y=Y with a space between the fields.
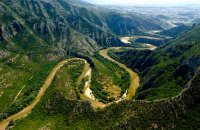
x=165 y=71
x=61 y=25
x=173 y=32
x=177 y=107
x=36 y=36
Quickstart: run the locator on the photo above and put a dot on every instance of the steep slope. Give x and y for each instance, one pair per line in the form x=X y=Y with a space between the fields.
x=65 y=24
x=58 y=111
x=173 y=32
x=51 y=28
x=35 y=34
x=165 y=71
x=130 y=24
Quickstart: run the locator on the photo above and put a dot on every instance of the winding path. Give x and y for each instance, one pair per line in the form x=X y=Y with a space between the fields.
x=130 y=93
x=87 y=95
x=134 y=78
x=44 y=87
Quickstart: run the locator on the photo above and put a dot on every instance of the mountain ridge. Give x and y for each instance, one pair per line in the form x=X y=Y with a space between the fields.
x=55 y=22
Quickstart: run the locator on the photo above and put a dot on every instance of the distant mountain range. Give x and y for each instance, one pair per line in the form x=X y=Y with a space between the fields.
x=60 y=25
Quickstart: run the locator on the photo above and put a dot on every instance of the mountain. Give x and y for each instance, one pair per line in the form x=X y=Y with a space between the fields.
x=175 y=65
x=173 y=32
x=167 y=70
x=36 y=34
x=62 y=24
x=47 y=24
x=130 y=24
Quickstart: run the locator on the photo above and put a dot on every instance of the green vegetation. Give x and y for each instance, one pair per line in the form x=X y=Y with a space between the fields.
x=56 y=112
x=155 y=42
x=169 y=89
x=165 y=71
x=21 y=81
x=108 y=80
x=58 y=102
x=82 y=84
x=36 y=34
x=174 y=32
x=190 y=120
x=66 y=77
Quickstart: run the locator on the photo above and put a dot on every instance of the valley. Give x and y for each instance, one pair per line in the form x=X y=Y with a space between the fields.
x=134 y=79
x=87 y=92
x=140 y=44
x=69 y=64
x=128 y=94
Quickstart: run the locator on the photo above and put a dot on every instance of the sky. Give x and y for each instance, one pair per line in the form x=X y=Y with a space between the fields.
x=144 y=2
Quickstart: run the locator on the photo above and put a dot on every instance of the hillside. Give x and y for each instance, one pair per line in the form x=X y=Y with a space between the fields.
x=130 y=24
x=43 y=81
x=174 y=69
x=173 y=32
x=165 y=71
x=164 y=114
x=37 y=34
x=63 y=25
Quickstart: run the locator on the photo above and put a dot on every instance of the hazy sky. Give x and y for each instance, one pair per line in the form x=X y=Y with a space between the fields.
x=145 y=2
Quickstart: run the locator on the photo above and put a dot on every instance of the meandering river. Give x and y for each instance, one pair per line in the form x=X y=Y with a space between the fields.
x=87 y=95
